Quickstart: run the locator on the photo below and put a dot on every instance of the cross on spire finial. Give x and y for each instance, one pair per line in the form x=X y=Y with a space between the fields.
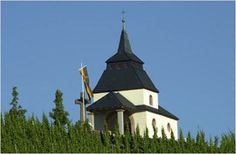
x=123 y=19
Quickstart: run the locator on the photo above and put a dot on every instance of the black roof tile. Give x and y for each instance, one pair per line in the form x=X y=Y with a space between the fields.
x=111 y=101
x=160 y=110
x=124 y=79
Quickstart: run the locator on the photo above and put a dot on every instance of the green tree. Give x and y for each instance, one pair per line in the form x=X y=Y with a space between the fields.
x=146 y=142
x=172 y=141
x=228 y=142
x=190 y=143
x=20 y=134
x=16 y=110
x=181 y=141
x=200 y=141
x=154 y=142
x=163 y=141
x=105 y=139
x=58 y=114
x=45 y=134
x=116 y=138
x=216 y=143
x=126 y=139
x=211 y=145
x=136 y=141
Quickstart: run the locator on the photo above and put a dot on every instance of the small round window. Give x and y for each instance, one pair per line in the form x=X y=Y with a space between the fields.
x=150 y=100
x=168 y=127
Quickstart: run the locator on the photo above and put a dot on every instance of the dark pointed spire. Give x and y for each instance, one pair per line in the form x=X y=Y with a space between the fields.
x=124 y=45
x=124 y=52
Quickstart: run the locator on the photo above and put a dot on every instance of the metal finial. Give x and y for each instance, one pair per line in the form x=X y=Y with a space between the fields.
x=123 y=20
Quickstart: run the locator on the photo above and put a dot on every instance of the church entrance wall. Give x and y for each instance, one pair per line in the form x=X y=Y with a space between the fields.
x=111 y=120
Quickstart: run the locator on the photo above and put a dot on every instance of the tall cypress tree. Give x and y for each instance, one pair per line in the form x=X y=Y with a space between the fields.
x=126 y=138
x=181 y=141
x=203 y=144
x=46 y=134
x=211 y=145
x=58 y=114
x=3 y=136
x=146 y=142
x=136 y=143
x=16 y=110
x=190 y=143
x=154 y=142
x=172 y=145
x=117 y=138
x=163 y=141
x=105 y=138
x=216 y=143
x=228 y=142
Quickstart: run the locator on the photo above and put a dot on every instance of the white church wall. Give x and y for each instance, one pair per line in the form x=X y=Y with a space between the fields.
x=140 y=96
x=161 y=122
x=144 y=120
x=154 y=95
x=139 y=120
x=97 y=96
x=136 y=96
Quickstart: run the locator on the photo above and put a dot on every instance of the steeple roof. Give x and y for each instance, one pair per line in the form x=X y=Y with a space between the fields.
x=124 y=45
x=124 y=79
x=124 y=70
x=124 y=52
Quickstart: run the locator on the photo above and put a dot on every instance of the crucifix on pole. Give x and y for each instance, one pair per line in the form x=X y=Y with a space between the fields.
x=82 y=101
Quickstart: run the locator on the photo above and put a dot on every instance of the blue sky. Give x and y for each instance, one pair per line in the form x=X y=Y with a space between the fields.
x=187 y=47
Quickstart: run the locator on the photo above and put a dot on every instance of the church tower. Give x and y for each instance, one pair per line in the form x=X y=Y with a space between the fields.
x=126 y=95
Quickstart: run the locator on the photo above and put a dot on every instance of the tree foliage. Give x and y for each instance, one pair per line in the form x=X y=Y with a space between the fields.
x=58 y=114
x=16 y=110
x=31 y=135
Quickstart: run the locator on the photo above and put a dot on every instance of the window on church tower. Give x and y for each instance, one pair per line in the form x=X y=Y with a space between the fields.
x=168 y=127
x=150 y=100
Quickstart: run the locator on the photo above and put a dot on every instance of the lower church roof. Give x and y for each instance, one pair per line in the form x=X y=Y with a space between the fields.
x=160 y=110
x=113 y=101
x=124 y=79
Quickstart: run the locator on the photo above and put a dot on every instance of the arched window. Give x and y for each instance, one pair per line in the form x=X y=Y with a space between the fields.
x=150 y=100
x=168 y=127
x=154 y=124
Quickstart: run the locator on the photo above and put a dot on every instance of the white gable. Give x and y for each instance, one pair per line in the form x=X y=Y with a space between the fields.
x=136 y=96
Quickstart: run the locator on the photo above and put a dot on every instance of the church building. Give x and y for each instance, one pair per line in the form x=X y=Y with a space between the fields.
x=126 y=95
